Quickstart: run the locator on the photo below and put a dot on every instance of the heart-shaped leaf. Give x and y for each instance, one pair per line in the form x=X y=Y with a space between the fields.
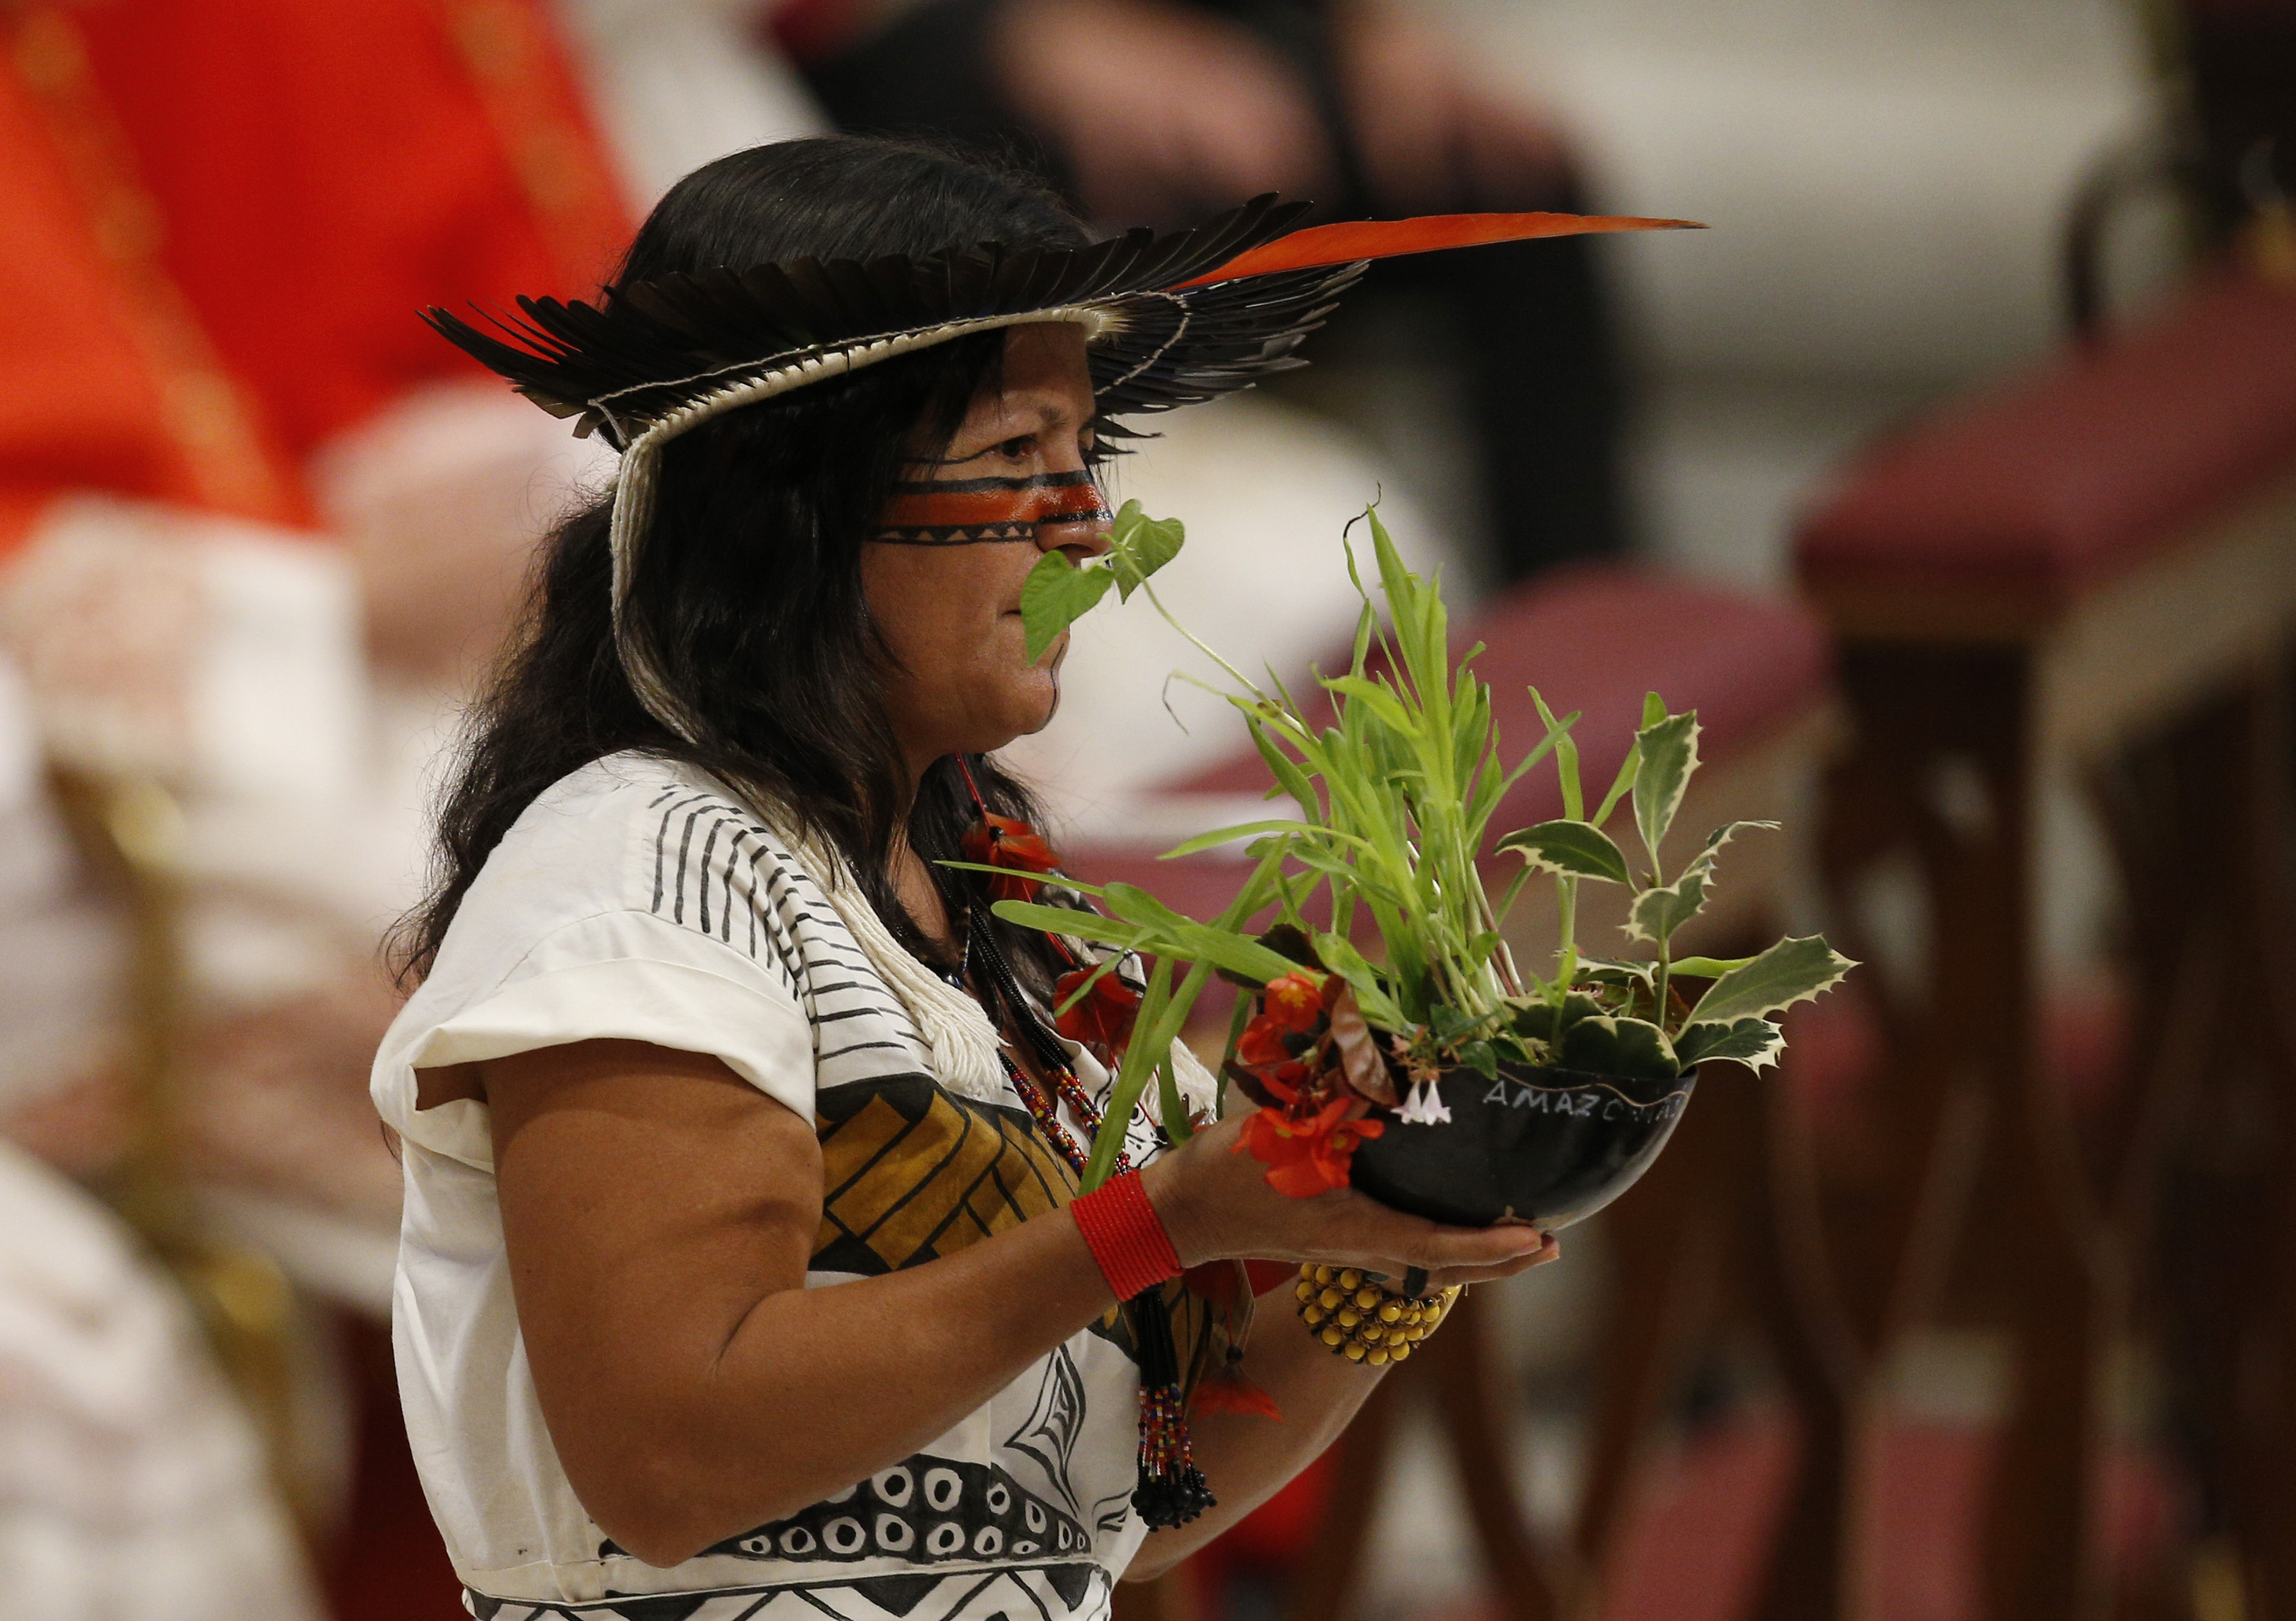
x=1577 y=848
x=1138 y=545
x=1055 y=595
x=1791 y=971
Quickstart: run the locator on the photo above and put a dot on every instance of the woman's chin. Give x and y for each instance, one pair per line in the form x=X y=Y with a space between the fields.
x=1036 y=712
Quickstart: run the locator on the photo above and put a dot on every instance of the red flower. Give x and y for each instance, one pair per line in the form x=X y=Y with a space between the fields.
x=1310 y=1155
x=1005 y=842
x=1261 y=1046
x=1295 y=1002
x=1291 y=1006
x=1103 y=1019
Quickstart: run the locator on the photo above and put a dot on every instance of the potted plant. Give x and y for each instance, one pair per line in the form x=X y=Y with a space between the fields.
x=1388 y=1035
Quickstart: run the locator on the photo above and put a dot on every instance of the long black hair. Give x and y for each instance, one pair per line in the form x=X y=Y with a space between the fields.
x=750 y=584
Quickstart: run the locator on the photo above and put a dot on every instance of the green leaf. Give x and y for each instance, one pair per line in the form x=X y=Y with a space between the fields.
x=1294 y=781
x=1138 y=545
x=1241 y=829
x=1791 y=971
x=1668 y=751
x=1633 y=1049
x=1055 y=595
x=1166 y=932
x=1378 y=699
x=1169 y=1110
x=1058 y=881
x=1537 y=1019
x=1481 y=1057
x=1449 y=1023
x=1658 y=913
x=1603 y=971
x=1566 y=756
x=1755 y=1043
x=1711 y=850
x=1069 y=921
x=1579 y=848
x=1622 y=785
x=1340 y=954
x=1705 y=968
x=1654 y=710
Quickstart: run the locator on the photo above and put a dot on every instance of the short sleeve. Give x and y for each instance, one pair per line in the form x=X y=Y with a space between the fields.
x=619 y=976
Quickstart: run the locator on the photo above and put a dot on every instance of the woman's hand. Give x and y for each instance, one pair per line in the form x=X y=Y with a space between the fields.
x=1216 y=1203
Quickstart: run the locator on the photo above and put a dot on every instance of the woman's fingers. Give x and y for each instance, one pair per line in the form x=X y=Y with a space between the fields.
x=1449 y=1277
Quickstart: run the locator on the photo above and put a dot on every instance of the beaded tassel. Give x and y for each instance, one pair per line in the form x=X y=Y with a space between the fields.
x=1172 y=1490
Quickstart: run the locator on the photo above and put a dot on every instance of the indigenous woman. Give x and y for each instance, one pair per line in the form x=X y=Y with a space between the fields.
x=742 y=1255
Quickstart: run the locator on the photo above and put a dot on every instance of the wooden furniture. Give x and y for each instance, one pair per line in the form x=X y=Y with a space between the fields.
x=1727 y=1215
x=2088 y=576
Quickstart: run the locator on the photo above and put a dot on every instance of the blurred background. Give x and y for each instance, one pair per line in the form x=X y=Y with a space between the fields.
x=1951 y=476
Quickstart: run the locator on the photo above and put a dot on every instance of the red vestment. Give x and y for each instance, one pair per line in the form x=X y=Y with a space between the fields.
x=328 y=168
x=107 y=381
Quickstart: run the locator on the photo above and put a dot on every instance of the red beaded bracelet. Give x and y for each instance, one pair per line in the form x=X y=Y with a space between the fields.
x=1126 y=1236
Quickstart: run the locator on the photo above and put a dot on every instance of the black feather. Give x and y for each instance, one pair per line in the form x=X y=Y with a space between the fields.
x=653 y=346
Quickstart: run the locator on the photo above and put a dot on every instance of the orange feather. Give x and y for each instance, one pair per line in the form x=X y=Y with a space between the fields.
x=1381 y=239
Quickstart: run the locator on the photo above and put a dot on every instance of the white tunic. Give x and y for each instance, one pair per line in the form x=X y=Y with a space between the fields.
x=637 y=899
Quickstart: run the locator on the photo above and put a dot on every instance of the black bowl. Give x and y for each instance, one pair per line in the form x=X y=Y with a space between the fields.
x=1548 y=1147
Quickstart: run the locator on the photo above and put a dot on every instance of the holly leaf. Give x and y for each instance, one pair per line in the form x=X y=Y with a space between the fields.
x=1669 y=752
x=1709 y=852
x=1538 y=1020
x=1603 y=971
x=1658 y=913
x=1055 y=595
x=1578 y=850
x=1701 y=968
x=1791 y=971
x=1634 y=1049
x=1755 y=1043
x=1138 y=547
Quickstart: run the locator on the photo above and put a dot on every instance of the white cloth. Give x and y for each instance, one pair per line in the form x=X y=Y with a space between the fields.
x=635 y=899
x=676 y=83
x=221 y=659
x=131 y=1483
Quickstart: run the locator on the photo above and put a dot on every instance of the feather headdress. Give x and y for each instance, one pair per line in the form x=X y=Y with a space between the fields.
x=1170 y=320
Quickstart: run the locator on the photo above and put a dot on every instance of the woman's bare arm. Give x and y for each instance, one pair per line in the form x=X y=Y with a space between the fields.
x=659 y=1213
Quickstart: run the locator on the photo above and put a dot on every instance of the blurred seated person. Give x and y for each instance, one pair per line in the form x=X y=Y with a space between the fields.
x=1162 y=110
x=170 y=618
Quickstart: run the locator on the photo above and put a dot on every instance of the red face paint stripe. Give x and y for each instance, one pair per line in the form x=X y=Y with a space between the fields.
x=943 y=506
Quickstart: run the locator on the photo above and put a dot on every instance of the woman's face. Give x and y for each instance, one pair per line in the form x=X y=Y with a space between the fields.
x=943 y=571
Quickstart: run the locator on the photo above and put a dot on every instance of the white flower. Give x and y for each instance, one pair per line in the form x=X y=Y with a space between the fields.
x=1424 y=1106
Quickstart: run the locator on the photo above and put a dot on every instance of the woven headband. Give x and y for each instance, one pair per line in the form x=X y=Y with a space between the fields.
x=1170 y=321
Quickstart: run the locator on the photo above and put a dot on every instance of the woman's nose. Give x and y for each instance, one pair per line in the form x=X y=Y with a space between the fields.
x=1077 y=522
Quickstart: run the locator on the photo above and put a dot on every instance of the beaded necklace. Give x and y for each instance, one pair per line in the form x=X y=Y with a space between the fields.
x=1172 y=1490
x=1004 y=995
